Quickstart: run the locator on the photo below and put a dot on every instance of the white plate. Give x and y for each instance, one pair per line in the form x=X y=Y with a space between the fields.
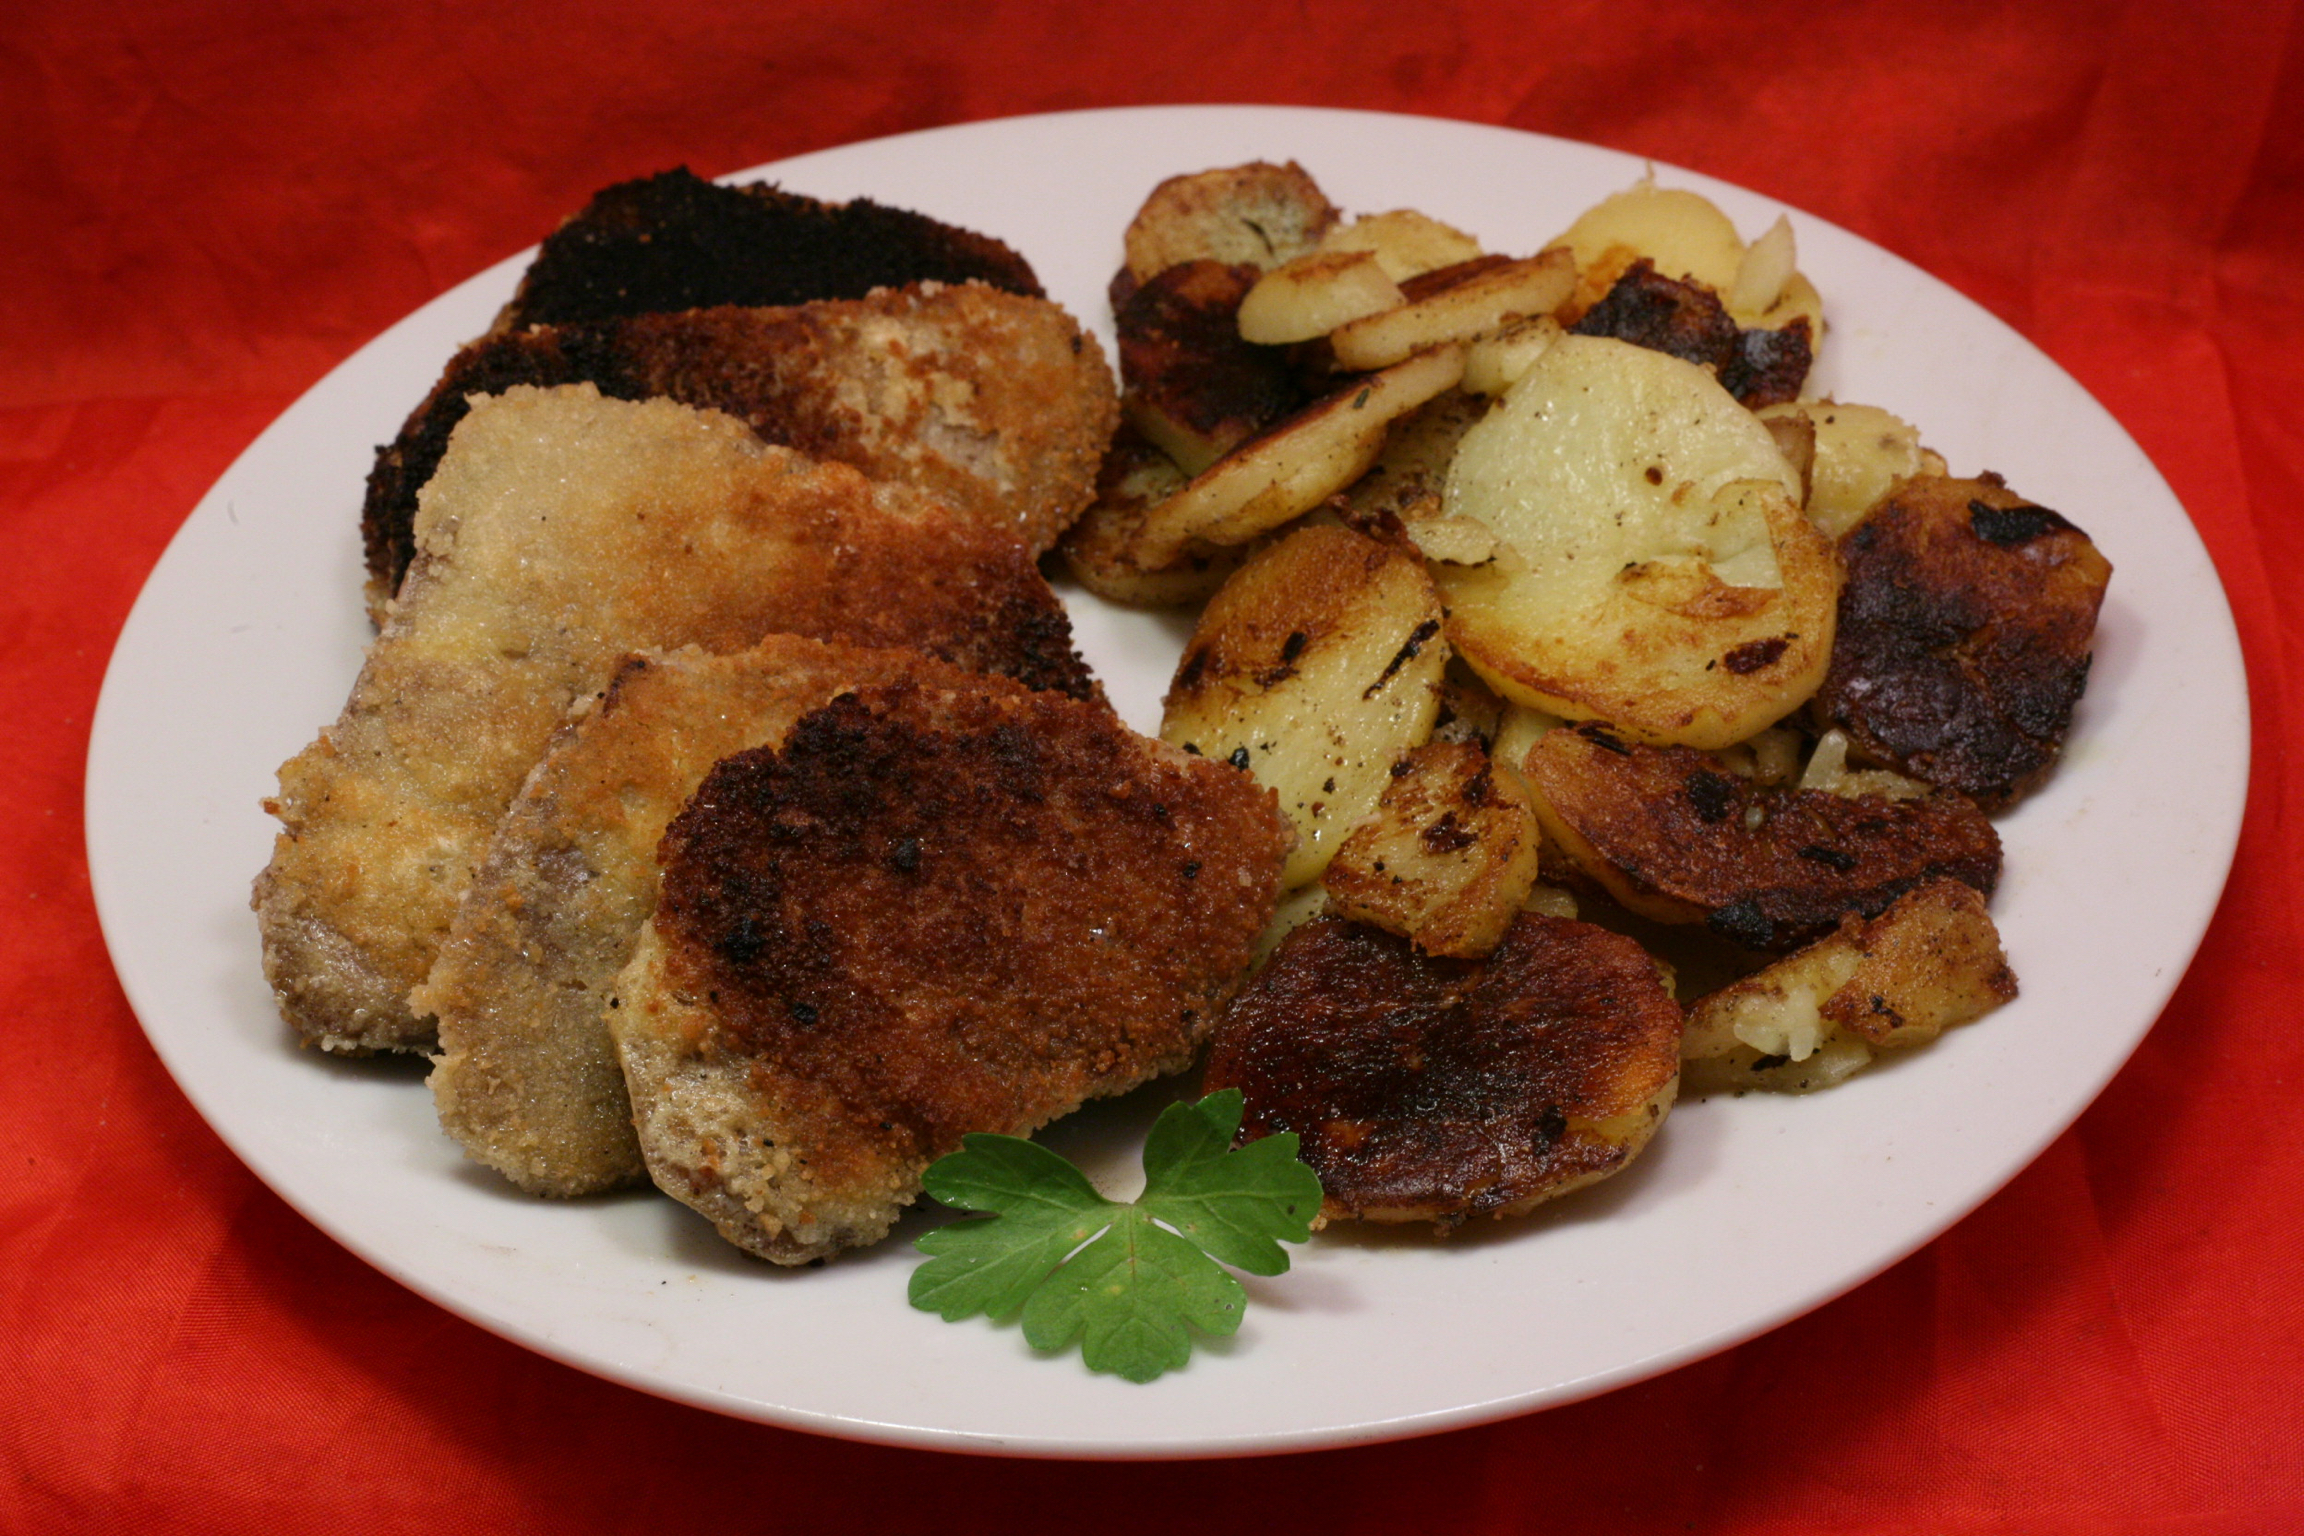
x=1743 y=1214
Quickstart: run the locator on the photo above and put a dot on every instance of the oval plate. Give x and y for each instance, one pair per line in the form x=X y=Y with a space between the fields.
x=1744 y=1213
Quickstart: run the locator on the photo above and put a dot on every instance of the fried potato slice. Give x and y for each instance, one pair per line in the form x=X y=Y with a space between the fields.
x=1859 y=453
x=1316 y=669
x=1759 y=367
x=1404 y=242
x=1189 y=383
x=1134 y=478
x=1652 y=567
x=1286 y=472
x=1456 y=304
x=1932 y=960
x=1682 y=233
x=1428 y=1089
x=1675 y=837
x=1258 y=214
x=1404 y=483
x=1448 y=857
x=1494 y=362
x=1967 y=631
x=1315 y=293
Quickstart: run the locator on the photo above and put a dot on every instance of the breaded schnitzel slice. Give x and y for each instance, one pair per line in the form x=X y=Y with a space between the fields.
x=526 y=1079
x=998 y=404
x=562 y=531
x=933 y=910
x=675 y=241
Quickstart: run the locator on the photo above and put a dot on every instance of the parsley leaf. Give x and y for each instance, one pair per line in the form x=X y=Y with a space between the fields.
x=1131 y=1282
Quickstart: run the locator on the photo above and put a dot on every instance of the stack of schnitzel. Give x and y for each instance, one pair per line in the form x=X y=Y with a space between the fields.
x=763 y=515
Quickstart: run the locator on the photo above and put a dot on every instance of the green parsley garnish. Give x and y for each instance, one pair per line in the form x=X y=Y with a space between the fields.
x=1130 y=1282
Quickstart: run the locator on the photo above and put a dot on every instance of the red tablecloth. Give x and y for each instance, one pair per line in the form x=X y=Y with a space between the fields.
x=206 y=205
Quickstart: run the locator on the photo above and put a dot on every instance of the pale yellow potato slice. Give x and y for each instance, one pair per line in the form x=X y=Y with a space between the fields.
x=1862 y=453
x=1493 y=363
x=1404 y=242
x=1300 y=463
x=1681 y=232
x=1653 y=567
x=1486 y=300
x=1316 y=668
x=1763 y=275
x=1315 y=293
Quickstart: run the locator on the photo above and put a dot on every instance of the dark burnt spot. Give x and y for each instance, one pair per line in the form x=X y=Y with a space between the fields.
x=1713 y=794
x=1745 y=922
x=2007 y=526
x=1191 y=869
x=1551 y=1125
x=1239 y=758
x=1830 y=858
x=743 y=942
x=1769 y=1063
x=905 y=857
x=1398 y=770
x=1600 y=737
x=1195 y=665
x=1447 y=835
x=1755 y=655
x=1406 y=654
x=803 y=1013
x=1479 y=789
x=1293 y=646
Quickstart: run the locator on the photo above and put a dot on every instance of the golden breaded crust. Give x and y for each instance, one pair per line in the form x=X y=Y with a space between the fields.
x=526 y=1079
x=561 y=531
x=998 y=404
x=934 y=910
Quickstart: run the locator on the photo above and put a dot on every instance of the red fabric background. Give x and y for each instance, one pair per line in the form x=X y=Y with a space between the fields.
x=208 y=204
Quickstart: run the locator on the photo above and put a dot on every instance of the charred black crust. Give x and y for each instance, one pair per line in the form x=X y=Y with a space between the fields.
x=1685 y=320
x=1964 y=636
x=675 y=241
x=1446 y=1087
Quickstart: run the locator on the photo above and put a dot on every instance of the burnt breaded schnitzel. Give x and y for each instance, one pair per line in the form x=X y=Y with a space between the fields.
x=527 y=1079
x=936 y=908
x=561 y=531
x=999 y=405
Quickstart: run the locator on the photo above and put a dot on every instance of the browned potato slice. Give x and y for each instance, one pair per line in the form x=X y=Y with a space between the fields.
x=1673 y=836
x=1932 y=960
x=1427 y=1089
x=1188 y=381
x=1680 y=232
x=1313 y=294
x=1406 y=243
x=1448 y=856
x=1259 y=214
x=1300 y=463
x=1456 y=304
x=1652 y=568
x=1316 y=668
x=1966 y=632
x=1135 y=477
x=1687 y=320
